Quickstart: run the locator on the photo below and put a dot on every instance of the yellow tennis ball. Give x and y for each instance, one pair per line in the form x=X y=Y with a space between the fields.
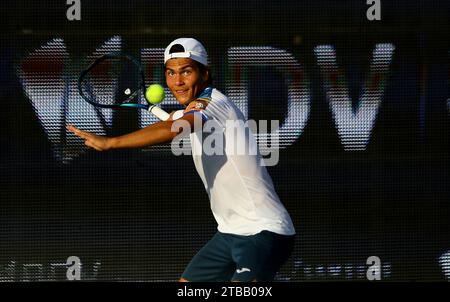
x=155 y=94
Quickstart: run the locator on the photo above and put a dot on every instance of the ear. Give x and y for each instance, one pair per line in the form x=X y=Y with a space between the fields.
x=205 y=76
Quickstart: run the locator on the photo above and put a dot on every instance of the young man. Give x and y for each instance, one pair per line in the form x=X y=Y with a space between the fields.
x=255 y=233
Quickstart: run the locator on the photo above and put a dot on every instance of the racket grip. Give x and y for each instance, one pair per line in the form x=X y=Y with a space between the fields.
x=159 y=113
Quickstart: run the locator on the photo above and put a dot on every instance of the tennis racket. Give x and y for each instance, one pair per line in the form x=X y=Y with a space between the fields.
x=122 y=74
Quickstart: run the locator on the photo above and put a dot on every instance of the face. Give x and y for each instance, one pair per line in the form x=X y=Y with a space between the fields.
x=184 y=79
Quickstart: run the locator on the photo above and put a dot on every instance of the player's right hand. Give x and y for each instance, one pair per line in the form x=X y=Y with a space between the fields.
x=97 y=142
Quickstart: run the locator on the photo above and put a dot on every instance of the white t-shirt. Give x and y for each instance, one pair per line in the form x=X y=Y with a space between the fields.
x=242 y=196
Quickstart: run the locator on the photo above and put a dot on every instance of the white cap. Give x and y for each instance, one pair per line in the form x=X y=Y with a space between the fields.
x=192 y=49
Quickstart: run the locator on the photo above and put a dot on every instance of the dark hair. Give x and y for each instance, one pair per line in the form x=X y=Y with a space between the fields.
x=176 y=48
x=202 y=68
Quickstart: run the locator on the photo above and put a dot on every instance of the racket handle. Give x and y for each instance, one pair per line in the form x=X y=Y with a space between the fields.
x=159 y=113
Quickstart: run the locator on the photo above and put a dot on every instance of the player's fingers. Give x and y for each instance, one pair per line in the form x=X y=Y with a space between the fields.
x=72 y=128
x=88 y=143
x=81 y=134
x=78 y=132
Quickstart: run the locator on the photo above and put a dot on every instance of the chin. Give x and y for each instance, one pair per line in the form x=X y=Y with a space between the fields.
x=183 y=102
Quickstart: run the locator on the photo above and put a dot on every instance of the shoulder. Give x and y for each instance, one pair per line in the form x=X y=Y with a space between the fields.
x=217 y=95
x=218 y=99
x=211 y=94
x=213 y=104
x=220 y=104
x=211 y=98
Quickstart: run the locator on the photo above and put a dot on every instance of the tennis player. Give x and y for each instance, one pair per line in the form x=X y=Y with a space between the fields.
x=255 y=234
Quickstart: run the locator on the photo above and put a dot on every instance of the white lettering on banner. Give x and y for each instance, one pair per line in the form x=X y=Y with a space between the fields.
x=49 y=78
x=354 y=126
x=241 y=58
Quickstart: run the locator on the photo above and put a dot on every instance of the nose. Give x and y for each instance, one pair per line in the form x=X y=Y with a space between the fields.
x=178 y=80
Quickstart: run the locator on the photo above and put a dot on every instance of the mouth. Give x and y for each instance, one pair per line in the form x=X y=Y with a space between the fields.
x=181 y=92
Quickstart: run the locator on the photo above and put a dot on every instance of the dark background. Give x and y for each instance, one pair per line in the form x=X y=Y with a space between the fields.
x=142 y=215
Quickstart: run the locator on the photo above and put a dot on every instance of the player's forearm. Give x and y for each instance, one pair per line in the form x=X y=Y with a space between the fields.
x=154 y=134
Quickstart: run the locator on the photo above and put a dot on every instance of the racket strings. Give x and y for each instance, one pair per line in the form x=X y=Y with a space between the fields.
x=112 y=81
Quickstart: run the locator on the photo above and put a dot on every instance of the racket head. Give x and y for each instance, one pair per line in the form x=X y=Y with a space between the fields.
x=113 y=80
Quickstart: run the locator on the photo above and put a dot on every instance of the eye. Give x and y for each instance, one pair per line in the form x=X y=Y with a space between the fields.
x=187 y=72
x=170 y=73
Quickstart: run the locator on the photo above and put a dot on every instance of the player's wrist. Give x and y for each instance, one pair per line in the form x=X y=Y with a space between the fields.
x=111 y=143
